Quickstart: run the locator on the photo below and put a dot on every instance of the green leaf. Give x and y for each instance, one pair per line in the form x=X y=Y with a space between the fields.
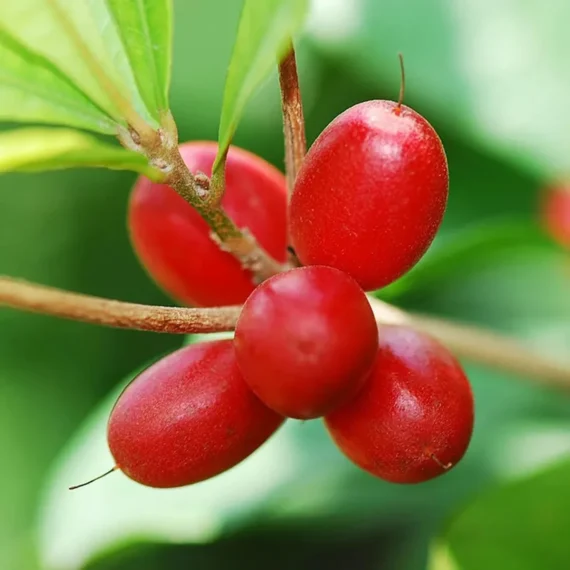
x=522 y=525
x=34 y=90
x=263 y=38
x=116 y=57
x=34 y=149
x=145 y=27
x=465 y=67
x=469 y=250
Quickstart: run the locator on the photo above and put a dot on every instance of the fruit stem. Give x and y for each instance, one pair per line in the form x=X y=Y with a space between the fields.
x=240 y=243
x=174 y=320
x=465 y=341
x=402 y=82
x=293 y=117
x=112 y=470
x=445 y=466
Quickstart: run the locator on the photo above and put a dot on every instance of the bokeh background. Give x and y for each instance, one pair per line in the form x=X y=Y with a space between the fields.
x=493 y=78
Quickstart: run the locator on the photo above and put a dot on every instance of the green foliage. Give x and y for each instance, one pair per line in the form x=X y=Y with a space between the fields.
x=84 y=64
x=264 y=35
x=32 y=89
x=518 y=525
x=468 y=250
x=35 y=149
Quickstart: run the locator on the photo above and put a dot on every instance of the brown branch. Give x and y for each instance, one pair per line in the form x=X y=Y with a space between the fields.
x=473 y=343
x=164 y=155
x=293 y=118
x=240 y=243
x=49 y=301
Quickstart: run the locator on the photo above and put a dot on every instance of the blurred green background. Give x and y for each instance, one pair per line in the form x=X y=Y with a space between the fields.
x=492 y=76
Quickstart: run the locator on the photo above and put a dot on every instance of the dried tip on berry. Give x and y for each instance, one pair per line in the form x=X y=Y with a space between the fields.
x=94 y=479
x=445 y=466
x=402 y=84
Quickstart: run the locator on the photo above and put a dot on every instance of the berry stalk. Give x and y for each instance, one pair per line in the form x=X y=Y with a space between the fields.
x=293 y=117
x=240 y=243
x=163 y=153
x=465 y=341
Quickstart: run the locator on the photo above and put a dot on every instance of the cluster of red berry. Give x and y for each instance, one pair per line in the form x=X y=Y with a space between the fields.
x=366 y=205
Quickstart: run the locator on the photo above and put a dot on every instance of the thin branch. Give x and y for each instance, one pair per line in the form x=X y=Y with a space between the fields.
x=50 y=301
x=240 y=243
x=473 y=343
x=293 y=117
x=481 y=345
x=164 y=155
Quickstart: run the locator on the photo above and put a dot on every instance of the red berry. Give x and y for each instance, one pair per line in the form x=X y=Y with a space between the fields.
x=305 y=340
x=413 y=419
x=188 y=417
x=371 y=194
x=555 y=213
x=174 y=243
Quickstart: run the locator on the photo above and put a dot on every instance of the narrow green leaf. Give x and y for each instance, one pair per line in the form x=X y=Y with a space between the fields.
x=116 y=53
x=32 y=89
x=469 y=249
x=263 y=37
x=145 y=27
x=522 y=525
x=34 y=149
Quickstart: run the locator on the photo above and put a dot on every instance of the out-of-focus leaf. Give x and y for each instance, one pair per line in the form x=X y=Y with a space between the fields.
x=479 y=67
x=32 y=89
x=119 y=510
x=101 y=56
x=264 y=35
x=33 y=149
x=522 y=525
x=468 y=250
x=65 y=229
x=523 y=293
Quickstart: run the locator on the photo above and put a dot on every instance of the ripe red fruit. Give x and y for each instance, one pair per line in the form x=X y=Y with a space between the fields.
x=413 y=419
x=187 y=418
x=555 y=213
x=305 y=340
x=371 y=194
x=173 y=241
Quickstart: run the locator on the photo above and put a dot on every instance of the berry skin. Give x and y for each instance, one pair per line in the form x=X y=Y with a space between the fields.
x=413 y=419
x=371 y=193
x=555 y=213
x=305 y=341
x=173 y=242
x=187 y=418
